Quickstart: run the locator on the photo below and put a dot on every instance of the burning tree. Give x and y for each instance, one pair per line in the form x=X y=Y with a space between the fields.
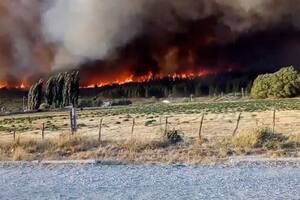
x=35 y=95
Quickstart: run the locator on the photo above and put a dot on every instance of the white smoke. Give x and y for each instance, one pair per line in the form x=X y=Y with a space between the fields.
x=92 y=29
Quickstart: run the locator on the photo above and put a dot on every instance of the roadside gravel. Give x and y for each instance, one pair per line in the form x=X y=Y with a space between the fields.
x=93 y=181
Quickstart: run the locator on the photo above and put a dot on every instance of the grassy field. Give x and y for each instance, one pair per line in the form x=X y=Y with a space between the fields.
x=12 y=100
x=146 y=143
x=211 y=107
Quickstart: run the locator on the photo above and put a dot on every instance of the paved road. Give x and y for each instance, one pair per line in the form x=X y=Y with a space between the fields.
x=149 y=182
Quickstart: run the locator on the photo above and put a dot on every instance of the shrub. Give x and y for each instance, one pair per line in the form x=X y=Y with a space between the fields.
x=95 y=102
x=121 y=102
x=282 y=84
x=260 y=138
x=44 y=106
x=85 y=103
x=19 y=154
x=173 y=136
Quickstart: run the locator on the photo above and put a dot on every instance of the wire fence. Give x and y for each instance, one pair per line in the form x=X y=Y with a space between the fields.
x=122 y=127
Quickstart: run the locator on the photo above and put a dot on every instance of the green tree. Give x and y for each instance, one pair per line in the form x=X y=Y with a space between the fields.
x=35 y=96
x=50 y=91
x=282 y=84
x=59 y=87
x=74 y=90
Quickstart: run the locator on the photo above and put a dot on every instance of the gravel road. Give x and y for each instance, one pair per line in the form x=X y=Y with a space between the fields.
x=251 y=181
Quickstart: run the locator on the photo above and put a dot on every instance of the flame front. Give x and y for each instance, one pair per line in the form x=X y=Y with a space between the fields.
x=21 y=85
x=130 y=78
x=3 y=85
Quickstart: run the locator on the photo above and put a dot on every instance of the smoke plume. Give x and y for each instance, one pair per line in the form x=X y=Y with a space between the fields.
x=93 y=29
x=23 y=52
x=114 y=39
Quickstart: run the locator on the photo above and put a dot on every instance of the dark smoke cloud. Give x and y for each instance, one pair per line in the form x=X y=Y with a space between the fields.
x=161 y=36
x=22 y=50
x=93 y=29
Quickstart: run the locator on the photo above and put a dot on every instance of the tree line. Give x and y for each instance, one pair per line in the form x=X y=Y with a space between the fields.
x=212 y=85
x=58 y=91
x=62 y=89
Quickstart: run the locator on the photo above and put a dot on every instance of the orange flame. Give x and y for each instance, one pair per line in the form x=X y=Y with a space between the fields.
x=130 y=78
x=22 y=85
x=3 y=85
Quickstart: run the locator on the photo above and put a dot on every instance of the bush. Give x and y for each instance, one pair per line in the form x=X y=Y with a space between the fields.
x=260 y=138
x=95 y=102
x=44 y=106
x=121 y=102
x=282 y=84
x=173 y=136
x=85 y=103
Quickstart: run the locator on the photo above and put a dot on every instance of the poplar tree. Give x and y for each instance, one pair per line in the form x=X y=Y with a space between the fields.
x=50 y=91
x=59 y=87
x=35 y=96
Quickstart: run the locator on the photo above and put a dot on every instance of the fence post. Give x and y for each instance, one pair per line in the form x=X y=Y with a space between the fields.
x=132 y=129
x=14 y=134
x=100 y=130
x=43 y=131
x=24 y=103
x=237 y=124
x=166 y=126
x=274 y=120
x=73 y=120
x=200 y=127
x=160 y=125
x=243 y=92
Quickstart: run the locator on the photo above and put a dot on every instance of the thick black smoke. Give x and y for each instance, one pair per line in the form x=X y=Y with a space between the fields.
x=112 y=39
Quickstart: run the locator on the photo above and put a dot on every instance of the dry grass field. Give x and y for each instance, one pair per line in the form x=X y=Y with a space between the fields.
x=219 y=122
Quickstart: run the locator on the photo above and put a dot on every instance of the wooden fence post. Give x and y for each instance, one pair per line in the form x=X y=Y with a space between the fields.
x=243 y=92
x=132 y=129
x=166 y=126
x=274 y=120
x=43 y=131
x=200 y=127
x=100 y=130
x=24 y=103
x=160 y=124
x=237 y=124
x=14 y=134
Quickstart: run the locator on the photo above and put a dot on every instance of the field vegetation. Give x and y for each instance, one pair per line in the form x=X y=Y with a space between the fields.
x=170 y=150
x=149 y=143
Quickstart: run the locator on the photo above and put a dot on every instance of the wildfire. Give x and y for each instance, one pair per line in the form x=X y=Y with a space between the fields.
x=3 y=85
x=21 y=85
x=130 y=78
